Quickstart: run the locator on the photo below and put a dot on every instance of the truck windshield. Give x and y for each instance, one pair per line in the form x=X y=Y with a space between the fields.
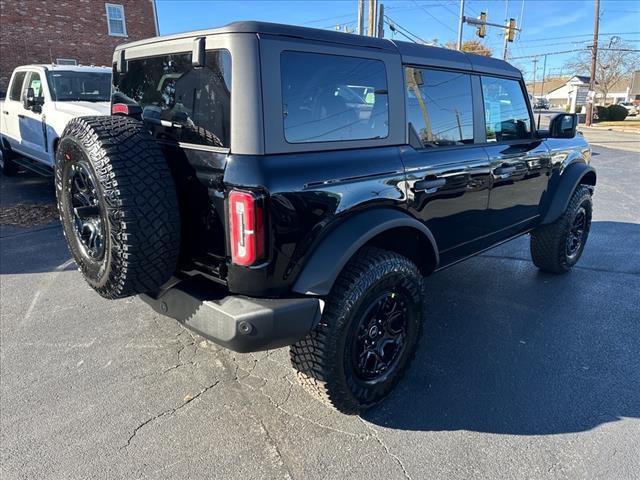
x=69 y=85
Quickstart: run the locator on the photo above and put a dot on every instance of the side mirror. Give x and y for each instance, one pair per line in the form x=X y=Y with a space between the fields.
x=563 y=125
x=29 y=99
x=33 y=103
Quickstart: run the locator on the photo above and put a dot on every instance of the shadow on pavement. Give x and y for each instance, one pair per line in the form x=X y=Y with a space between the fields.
x=507 y=349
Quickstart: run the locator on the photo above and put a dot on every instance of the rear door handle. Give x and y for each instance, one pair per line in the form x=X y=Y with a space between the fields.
x=429 y=186
x=6 y=112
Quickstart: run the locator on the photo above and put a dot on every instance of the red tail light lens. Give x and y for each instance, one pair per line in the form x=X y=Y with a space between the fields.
x=246 y=225
x=120 y=108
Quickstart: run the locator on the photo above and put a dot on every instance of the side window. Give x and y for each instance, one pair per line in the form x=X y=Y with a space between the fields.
x=16 y=86
x=439 y=106
x=115 y=20
x=182 y=103
x=327 y=98
x=505 y=110
x=35 y=83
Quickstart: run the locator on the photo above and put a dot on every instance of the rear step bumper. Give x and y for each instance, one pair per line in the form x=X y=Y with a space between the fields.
x=239 y=323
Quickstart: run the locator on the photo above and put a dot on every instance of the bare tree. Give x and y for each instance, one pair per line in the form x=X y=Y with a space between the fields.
x=614 y=64
x=472 y=46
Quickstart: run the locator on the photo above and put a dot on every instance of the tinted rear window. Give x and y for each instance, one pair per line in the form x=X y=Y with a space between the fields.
x=439 y=106
x=181 y=102
x=332 y=98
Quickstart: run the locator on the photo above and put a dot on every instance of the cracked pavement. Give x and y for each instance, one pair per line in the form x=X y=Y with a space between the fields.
x=519 y=374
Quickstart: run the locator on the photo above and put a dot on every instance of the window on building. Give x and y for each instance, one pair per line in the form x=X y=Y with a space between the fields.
x=115 y=20
x=331 y=98
x=179 y=102
x=506 y=113
x=439 y=106
x=16 y=86
x=66 y=61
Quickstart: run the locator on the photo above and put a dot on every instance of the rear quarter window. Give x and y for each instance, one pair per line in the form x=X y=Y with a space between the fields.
x=181 y=102
x=328 y=98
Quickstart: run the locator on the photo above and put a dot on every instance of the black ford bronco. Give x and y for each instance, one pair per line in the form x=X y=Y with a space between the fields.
x=270 y=185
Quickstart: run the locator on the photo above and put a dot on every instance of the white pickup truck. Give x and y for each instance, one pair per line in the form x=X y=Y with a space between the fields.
x=40 y=101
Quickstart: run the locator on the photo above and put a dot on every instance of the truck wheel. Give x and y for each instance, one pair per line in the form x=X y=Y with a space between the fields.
x=7 y=165
x=367 y=335
x=557 y=247
x=118 y=205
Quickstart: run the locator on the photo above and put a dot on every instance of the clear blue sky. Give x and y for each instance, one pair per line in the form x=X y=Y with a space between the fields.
x=542 y=21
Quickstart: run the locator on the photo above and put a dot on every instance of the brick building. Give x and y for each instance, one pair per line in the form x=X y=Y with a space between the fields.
x=71 y=31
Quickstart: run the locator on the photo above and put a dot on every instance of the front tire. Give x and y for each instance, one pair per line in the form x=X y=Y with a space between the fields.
x=557 y=247
x=7 y=166
x=367 y=335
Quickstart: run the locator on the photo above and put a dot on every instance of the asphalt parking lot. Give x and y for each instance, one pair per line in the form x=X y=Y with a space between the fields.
x=519 y=375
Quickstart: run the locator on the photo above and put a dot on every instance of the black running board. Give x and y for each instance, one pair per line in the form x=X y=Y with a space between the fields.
x=37 y=167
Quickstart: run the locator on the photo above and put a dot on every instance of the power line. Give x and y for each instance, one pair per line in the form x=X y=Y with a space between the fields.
x=434 y=17
x=395 y=25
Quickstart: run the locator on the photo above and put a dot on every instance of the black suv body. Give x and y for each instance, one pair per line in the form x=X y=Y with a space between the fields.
x=303 y=160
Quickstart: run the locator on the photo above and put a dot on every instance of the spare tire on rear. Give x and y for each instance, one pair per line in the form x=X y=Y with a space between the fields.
x=118 y=205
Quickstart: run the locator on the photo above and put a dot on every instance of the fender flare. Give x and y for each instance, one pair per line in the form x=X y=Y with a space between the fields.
x=329 y=258
x=565 y=186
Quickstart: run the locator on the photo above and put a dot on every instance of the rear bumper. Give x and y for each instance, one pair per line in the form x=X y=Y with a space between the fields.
x=239 y=323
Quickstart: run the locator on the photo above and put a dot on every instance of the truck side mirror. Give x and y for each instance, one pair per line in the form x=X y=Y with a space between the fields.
x=563 y=125
x=31 y=102
x=29 y=99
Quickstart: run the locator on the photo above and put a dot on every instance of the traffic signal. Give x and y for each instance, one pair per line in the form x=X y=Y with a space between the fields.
x=481 y=31
x=511 y=30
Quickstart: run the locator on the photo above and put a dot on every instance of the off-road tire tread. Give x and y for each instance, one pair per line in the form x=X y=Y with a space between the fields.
x=142 y=202
x=314 y=358
x=548 y=241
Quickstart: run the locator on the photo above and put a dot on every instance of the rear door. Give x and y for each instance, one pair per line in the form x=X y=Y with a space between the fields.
x=520 y=163
x=448 y=173
x=11 y=108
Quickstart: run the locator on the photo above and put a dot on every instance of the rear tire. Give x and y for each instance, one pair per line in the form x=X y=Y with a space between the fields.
x=118 y=205
x=367 y=335
x=557 y=247
x=7 y=165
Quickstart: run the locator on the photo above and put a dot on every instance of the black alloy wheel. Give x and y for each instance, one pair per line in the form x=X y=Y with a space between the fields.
x=88 y=216
x=576 y=235
x=380 y=337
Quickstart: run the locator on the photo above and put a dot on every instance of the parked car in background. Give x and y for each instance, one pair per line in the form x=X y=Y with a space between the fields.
x=631 y=108
x=303 y=202
x=541 y=104
x=40 y=101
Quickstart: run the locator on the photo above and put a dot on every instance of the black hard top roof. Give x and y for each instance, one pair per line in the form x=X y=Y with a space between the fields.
x=411 y=53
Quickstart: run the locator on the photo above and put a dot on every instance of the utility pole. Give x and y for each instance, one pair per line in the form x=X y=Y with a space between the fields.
x=381 y=21
x=360 y=17
x=594 y=58
x=533 y=87
x=460 y=24
x=544 y=72
x=371 y=18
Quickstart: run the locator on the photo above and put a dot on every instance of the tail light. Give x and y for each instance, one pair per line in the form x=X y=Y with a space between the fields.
x=246 y=227
x=119 y=108
x=130 y=110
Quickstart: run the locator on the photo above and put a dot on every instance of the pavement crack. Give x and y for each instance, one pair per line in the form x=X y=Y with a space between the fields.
x=168 y=412
x=374 y=434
